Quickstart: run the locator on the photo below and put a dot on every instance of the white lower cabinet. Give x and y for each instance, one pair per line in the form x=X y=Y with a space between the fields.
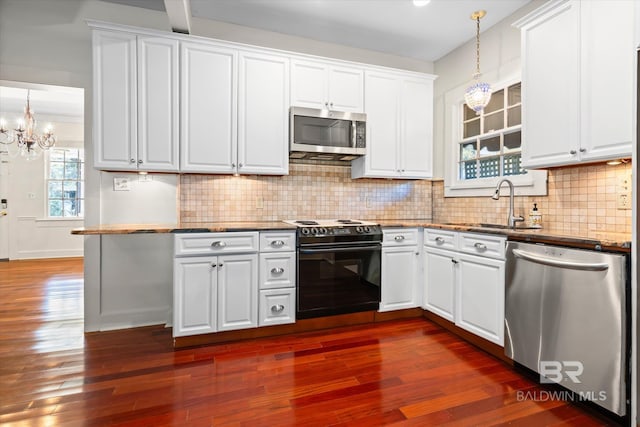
x=195 y=295
x=400 y=269
x=439 y=271
x=221 y=282
x=237 y=292
x=480 y=297
x=465 y=285
x=214 y=294
x=278 y=275
x=277 y=306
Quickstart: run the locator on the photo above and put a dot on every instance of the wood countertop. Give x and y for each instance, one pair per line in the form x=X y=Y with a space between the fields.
x=595 y=240
x=191 y=227
x=598 y=240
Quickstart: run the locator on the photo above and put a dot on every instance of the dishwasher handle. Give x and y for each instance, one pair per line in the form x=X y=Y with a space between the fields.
x=554 y=262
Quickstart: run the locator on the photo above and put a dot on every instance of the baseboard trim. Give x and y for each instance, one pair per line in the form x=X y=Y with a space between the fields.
x=491 y=348
x=302 y=325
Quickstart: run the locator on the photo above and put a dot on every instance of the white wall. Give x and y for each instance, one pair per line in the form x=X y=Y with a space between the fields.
x=499 y=60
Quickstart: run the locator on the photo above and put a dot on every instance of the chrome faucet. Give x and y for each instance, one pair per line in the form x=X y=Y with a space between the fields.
x=511 y=219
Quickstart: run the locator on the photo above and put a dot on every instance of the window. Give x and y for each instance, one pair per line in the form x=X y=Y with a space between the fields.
x=490 y=145
x=65 y=183
x=484 y=148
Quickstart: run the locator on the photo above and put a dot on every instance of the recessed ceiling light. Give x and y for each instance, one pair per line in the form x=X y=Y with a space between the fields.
x=420 y=3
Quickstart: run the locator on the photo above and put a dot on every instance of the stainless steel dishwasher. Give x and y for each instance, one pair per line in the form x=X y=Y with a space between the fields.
x=566 y=318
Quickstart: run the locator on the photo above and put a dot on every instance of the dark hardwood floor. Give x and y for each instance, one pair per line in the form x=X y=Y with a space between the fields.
x=410 y=372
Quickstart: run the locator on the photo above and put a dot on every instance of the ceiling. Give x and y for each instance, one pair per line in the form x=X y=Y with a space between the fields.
x=390 y=26
x=48 y=103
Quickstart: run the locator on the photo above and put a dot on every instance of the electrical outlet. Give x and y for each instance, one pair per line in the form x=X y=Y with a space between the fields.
x=259 y=203
x=367 y=202
x=623 y=192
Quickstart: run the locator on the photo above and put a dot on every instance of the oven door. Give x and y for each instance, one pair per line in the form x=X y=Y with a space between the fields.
x=338 y=280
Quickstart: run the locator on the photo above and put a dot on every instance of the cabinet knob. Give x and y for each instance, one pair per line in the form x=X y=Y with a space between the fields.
x=220 y=265
x=326 y=104
x=572 y=152
x=277 y=308
x=278 y=270
x=439 y=240
x=218 y=244
x=240 y=165
x=583 y=150
x=398 y=238
x=214 y=265
x=277 y=243
x=233 y=165
x=140 y=161
x=132 y=161
x=331 y=104
x=454 y=261
x=480 y=246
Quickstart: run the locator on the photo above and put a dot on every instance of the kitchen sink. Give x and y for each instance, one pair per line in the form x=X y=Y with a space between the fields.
x=487 y=225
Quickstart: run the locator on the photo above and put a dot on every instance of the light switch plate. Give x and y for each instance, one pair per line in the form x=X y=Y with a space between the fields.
x=121 y=183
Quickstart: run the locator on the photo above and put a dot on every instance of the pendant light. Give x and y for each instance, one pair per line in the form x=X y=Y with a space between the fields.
x=478 y=95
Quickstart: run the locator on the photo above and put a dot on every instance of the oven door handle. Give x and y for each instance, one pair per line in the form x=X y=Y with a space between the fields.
x=342 y=249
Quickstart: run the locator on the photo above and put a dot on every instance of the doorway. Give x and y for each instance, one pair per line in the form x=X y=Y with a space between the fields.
x=42 y=188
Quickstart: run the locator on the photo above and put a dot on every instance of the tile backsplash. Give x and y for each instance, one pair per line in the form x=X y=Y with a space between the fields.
x=310 y=191
x=580 y=199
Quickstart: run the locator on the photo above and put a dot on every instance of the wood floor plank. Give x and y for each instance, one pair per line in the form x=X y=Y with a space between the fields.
x=404 y=372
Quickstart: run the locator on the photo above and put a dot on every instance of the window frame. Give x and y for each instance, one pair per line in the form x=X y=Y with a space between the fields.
x=47 y=179
x=533 y=183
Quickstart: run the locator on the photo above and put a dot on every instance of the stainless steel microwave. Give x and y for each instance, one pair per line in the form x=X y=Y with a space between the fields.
x=326 y=135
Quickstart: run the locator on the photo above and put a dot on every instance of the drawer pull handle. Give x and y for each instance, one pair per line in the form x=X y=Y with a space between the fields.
x=399 y=238
x=277 y=243
x=218 y=244
x=439 y=240
x=480 y=246
x=277 y=308
x=278 y=270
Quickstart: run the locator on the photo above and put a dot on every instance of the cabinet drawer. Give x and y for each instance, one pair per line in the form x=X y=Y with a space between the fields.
x=215 y=243
x=399 y=236
x=277 y=270
x=443 y=239
x=482 y=244
x=277 y=241
x=277 y=306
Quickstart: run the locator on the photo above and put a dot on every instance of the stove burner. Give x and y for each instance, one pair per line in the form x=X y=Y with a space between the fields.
x=306 y=222
x=347 y=221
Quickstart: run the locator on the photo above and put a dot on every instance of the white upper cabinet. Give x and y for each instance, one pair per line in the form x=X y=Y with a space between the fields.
x=399 y=127
x=416 y=148
x=577 y=80
x=607 y=78
x=208 y=116
x=327 y=85
x=263 y=119
x=158 y=134
x=135 y=102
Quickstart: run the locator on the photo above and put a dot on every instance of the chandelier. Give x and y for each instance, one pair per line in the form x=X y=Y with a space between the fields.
x=477 y=95
x=29 y=143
